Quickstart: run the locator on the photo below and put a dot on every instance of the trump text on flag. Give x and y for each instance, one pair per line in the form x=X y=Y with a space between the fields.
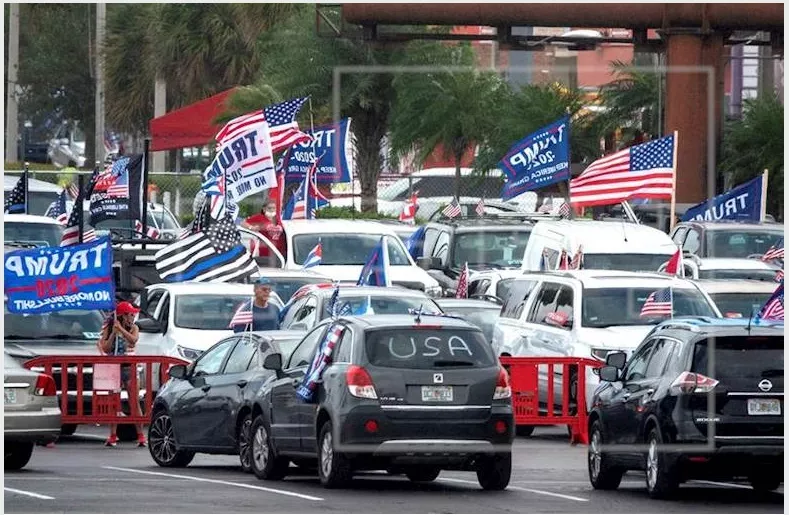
x=246 y=163
x=329 y=146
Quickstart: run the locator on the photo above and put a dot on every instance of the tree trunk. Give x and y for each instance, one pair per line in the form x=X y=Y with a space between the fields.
x=458 y=161
x=369 y=130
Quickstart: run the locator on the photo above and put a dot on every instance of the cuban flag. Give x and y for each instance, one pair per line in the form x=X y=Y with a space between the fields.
x=314 y=257
x=306 y=200
x=321 y=361
x=375 y=270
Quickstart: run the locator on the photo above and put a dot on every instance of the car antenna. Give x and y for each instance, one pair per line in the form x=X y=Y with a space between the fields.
x=753 y=309
x=624 y=231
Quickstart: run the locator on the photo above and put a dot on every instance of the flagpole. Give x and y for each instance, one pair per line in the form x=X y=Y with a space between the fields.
x=673 y=214
x=314 y=166
x=763 y=213
x=144 y=214
x=25 y=185
x=77 y=202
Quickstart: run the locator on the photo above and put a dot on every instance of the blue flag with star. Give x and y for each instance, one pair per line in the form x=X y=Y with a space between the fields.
x=540 y=159
x=16 y=201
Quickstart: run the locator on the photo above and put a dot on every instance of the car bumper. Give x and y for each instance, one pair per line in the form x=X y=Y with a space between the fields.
x=32 y=426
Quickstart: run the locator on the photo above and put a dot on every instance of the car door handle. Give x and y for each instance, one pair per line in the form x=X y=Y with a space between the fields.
x=295 y=382
x=650 y=392
x=625 y=396
x=206 y=387
x=242 y=383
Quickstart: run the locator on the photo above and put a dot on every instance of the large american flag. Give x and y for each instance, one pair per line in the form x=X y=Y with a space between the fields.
x=641 y=171
x=659 y=303
x=773 y=309
x=775 y=252
x=281 y=119
x=461 y=292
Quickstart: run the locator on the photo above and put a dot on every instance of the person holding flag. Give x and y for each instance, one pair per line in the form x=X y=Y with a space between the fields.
x=268 y=224
x=258 y=312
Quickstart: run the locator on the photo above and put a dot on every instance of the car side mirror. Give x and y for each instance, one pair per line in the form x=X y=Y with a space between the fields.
x=273 y=362
x=435 y=263
x=609 y=374
x=149 y=325
x=424 y=262
x=177 y=372
x=616 y=359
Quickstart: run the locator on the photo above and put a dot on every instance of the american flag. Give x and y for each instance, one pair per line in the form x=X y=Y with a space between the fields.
x=71 y=232
x=452 y=210
x=115 y=179
x=578 y=259
x=480 y=209
x=281 y=119
x=563 y=210
x=16 y=202
x=773 y=309
x=57 y=209
x=659 y=303
x=212 y=252
x=775 y=252
x=243 y=315
x=151 y=232
x=321 y=360
x=779 y=276
x=461 y=292
x=641 y=171
x=564 y=261
x=73 y=190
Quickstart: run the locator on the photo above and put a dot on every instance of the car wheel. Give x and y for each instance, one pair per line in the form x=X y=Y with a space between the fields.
x=602 y=474
x=265 y=463
x=334 y=468
x=764 y=483
x=423 y=474
x=493 y=472
x=68 y=429
x=17 y=454
x=162 y=444
x=661 y=477
x=524 y=430
x=244 y=447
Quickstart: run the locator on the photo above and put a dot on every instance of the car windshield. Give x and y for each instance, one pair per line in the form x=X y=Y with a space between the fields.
x=484 y=318
x=208 y=312
x=490 y=249
x=431 y=349
x=380 y=304
x=442 y=186
x=751 y=275
x=70 y=324
x=596 y=309
x=739 y=305
x=741 y=360
x=740 y=243
x=45 y=235
x=347 y=248
x=285 y=287
x=503 y=288
x=160 y=219
x=37 y=201
x=625 y=262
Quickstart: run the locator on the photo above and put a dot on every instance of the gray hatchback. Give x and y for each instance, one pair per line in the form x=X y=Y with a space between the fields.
x=407 y=394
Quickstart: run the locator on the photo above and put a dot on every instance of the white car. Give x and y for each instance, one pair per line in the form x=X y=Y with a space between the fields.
x=346 y=245
x=738 y=298
x=493 y=283
x=183 y=320
x=40 y=194
x=158 y=216
x=727 y=268
x=41 y=231
x=286 y=282
x=587 y=313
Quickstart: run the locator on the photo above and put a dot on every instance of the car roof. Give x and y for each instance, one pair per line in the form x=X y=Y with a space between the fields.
x=448 y=303
x=34 y=185
x=194 y=287
x=713 y=286
x=326 y=289
x=734 y=264
x=609 y=237
x=296 y=227
x=399 y=321
x=486 y=224
x=734 y=225
x=280 y=334
x=612 y=278
x=285 y=272
x=30 y=219
x=706 y=327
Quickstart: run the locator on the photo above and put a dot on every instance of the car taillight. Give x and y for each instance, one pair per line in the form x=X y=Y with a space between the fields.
x=691 y=382
x=45 y=386
x=360 y=384
x=503 y=390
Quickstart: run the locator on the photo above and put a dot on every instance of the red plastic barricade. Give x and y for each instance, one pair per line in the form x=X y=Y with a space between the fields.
x=526 y=399
x=89 y=386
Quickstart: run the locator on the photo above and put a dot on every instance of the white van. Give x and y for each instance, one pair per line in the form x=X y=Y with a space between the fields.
x=606 y=245
x=40 y=194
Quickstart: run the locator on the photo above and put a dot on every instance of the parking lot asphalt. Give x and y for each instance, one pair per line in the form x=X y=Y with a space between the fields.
x=80 y=475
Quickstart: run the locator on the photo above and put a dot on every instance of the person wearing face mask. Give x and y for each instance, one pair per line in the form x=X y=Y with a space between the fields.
x=267 y=224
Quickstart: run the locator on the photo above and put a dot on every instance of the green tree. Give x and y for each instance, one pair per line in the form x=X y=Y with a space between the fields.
x=756 y=142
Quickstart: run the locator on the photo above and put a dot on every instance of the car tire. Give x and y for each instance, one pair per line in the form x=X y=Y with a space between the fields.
x=661 y=475
x=162 y=444
x=494 y=472
x=602 y=474
x=244 y=441
x=17 y=455
x=524 y=431
x=68 y=429
x=334 y=468
x=265 y=463
x=423 y=474
x=764 y=483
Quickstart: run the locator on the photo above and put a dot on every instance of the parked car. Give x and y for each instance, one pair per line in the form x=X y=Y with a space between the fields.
x=660 y=400
x=408 y=394
x=311 y=304
x=346 y=245
x=40 y=231
x=726 y=239
x=727 y=268
x=481 y=313
x=207 y=406
x=738 y=298
x=588 y=314
x=158 y=216
x=30 y=412
x=287 y=282
x=40 y=194
x=492 y=283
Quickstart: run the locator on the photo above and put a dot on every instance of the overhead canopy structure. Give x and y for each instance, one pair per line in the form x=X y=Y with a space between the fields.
x=189 y=126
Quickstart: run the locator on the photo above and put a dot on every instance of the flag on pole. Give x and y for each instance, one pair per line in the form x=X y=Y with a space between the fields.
x=773 y=309
x=151 y=232
x=321 y=360
x=408 y=214
x=16 y=202
x=314 y=257
x=640 y=171
x=578 y=259
x=674 y=265
x=480 y=208
x=243 y=315
x=71 y=232
x=659 y=303
x=563 y=210
x=375 y=271
x=281 y=119
x=564 y=261
x=57 y=209
x=306 y=200
x=452 y=209
x=461 y=291
x=415 y=242
x=775 y=252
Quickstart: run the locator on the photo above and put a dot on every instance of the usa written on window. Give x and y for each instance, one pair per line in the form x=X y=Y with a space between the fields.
x=430 y=346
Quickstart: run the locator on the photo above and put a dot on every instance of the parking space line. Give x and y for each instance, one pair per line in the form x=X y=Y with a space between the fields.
x=29 y=494
x=220 y=482
x=718 y=483
x=521 y=489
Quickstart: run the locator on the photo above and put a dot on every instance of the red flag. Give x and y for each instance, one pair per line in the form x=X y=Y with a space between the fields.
x=674 y=265
x=408 y=214
x=462 y=289
x=564 y=262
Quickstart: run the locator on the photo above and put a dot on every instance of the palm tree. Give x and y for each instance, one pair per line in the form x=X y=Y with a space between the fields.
x=631 y=104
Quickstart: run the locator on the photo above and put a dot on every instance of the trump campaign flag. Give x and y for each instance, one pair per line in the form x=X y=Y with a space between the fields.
x=306 y=200
x=540 y=159
x=743 y=202
x=321 y=360
x=57 y=278
x=118 y=192
x=329 y=147
x=376 y=269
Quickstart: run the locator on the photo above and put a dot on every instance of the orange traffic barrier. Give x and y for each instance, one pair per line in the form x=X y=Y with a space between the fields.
x=526 y=399
x=78 y=381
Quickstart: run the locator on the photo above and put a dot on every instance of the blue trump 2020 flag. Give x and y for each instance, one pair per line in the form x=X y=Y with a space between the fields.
x=48 y=279
x=743 y=202
x=331 y=146
x=540 y=159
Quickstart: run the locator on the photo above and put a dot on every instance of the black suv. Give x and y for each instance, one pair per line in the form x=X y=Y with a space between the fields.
x=407 y=394
x=708 y=391
x=485 y=244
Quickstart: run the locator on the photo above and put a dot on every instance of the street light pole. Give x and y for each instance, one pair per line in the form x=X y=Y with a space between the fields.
x=101 y=17
x=11 y=109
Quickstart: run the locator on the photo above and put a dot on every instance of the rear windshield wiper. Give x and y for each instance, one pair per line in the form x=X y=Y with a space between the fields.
x=447 y=363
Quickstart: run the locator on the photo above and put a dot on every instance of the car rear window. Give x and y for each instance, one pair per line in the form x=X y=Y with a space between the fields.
x=739 y=359
x=428 y=348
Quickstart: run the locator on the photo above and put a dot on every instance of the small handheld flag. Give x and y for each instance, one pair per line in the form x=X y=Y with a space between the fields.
x=314 y=257
x=773 y=309
x=659 y=303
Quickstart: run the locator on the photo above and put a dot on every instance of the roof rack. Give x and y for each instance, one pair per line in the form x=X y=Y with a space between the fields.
x=676 y=324
x=498 y=217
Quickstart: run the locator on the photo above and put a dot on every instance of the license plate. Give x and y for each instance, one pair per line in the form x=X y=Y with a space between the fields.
x=764 y=407
x=437 y=394
x=9 y=395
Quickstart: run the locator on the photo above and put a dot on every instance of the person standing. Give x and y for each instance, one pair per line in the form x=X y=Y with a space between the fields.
x=119 y=338
x=267 y=224
x=265 y=315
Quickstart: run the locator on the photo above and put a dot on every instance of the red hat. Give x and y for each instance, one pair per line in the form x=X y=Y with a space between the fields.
x=125 y=308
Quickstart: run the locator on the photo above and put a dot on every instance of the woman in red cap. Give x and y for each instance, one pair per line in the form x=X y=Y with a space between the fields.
x=118 y=338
